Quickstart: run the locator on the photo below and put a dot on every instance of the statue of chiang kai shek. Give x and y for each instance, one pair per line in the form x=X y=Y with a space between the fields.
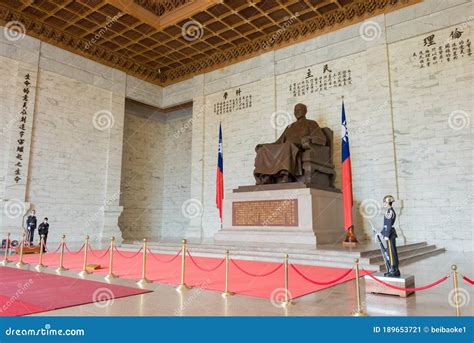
x=303 y=153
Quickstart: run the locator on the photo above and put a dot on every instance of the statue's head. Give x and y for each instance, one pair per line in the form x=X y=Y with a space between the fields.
x=300 y=110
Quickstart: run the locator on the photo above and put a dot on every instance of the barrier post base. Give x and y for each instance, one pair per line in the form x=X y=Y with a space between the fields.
x=84 y=273
x=40 y=267
x=287 y=303
x=143 y=281
x=183 y=287
x=111 y=276
x=61 y=269
x=227 y=294
x=21 y=264
x=360 y=313
x=5 y=262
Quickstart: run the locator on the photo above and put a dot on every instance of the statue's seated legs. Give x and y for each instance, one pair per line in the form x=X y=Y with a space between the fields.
x=283 y=176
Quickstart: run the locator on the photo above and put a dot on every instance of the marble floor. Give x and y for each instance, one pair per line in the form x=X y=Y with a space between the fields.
x=339 y=300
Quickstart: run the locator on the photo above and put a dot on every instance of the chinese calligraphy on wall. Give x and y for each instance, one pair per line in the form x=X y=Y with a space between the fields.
x=451 y=49
x=326 y=80
x=231 y=104
x=22 y=127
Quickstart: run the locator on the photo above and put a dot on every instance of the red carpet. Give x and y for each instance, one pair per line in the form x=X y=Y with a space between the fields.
x=270 y=286
x=25 y=292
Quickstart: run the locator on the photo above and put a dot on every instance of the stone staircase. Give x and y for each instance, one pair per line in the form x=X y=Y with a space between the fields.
x=330 y=256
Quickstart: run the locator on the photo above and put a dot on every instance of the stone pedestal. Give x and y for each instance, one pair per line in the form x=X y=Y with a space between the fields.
x=293 y=214
x=404 y=281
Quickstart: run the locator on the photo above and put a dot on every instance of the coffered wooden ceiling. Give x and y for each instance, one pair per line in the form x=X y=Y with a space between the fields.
x=166 y=41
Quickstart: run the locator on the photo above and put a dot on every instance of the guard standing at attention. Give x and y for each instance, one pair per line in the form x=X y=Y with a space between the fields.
x=390 y=235
x=31 y=226
x=43 y=229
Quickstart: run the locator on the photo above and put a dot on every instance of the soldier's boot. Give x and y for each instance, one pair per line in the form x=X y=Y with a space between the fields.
x=394 y=273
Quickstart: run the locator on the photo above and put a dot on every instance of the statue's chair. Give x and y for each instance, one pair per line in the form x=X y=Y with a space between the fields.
x=318 y=166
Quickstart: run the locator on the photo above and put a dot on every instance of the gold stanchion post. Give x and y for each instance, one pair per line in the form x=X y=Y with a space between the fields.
x=182 y=286
x=40 y=264
x=111 y=275
x=84 y=272
x=143 y=281
x=20 y=263
x=61 y=256
x=287 y=302
x=454 y=268
x=7 y=247
x=360 y=311
x=227 y=293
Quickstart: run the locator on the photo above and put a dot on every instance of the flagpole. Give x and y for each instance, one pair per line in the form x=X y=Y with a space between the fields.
x=350 y=239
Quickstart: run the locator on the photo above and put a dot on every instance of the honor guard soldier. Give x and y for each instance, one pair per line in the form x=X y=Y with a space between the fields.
x=390 y=235
x=43 y=230
x=31 y=226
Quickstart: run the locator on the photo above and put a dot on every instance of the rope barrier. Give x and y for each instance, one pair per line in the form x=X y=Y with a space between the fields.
x=317 y=282
x=164 y=261
x=205 y=269
x=465 y=278
x=99 y=257
x=256 y=275
x=125 y=256
x=415 y=289
x=74 y=253
x=55 y=251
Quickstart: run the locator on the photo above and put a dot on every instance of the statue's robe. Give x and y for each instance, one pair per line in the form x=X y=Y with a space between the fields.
x=285 y=153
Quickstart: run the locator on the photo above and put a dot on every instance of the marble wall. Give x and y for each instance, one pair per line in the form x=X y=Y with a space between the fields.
x=155 y=172
x=72 y=145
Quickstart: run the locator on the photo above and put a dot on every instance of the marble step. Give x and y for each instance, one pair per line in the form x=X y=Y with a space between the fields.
x=421 y=256
x=325 y=251
x=334 y=250
x=404 y=253
x=343 y=258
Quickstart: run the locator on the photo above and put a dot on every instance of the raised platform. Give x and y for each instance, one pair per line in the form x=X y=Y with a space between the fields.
x=332 y=255
x=288 y=214
x=404 y=281
x=282 y=186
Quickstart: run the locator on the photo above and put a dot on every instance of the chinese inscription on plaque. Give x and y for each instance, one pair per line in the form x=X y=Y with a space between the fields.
x=316 y=83
x=20 y=148
x=230 y=104
x=450 y=49
x=265 y=213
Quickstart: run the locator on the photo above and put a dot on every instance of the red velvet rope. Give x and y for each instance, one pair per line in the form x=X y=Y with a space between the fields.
x=255 y=275
x=410 y=289
x=465 y=278
x=164 y=261
x=125 y=256
x=74 y=253
x=205 y=269
x=55 y=251
x=321 y=283
x=99 y=257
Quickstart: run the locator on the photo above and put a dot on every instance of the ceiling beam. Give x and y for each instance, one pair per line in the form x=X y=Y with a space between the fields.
x=172 y=17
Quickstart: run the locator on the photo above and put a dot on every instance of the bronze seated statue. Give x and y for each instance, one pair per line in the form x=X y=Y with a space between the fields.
x=303 y=153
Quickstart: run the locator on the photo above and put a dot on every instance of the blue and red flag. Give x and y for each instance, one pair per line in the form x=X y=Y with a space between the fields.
x=346 y=174
x=220 y=175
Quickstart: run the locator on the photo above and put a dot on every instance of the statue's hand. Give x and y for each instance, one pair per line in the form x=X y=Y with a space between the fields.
x=305 y=141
